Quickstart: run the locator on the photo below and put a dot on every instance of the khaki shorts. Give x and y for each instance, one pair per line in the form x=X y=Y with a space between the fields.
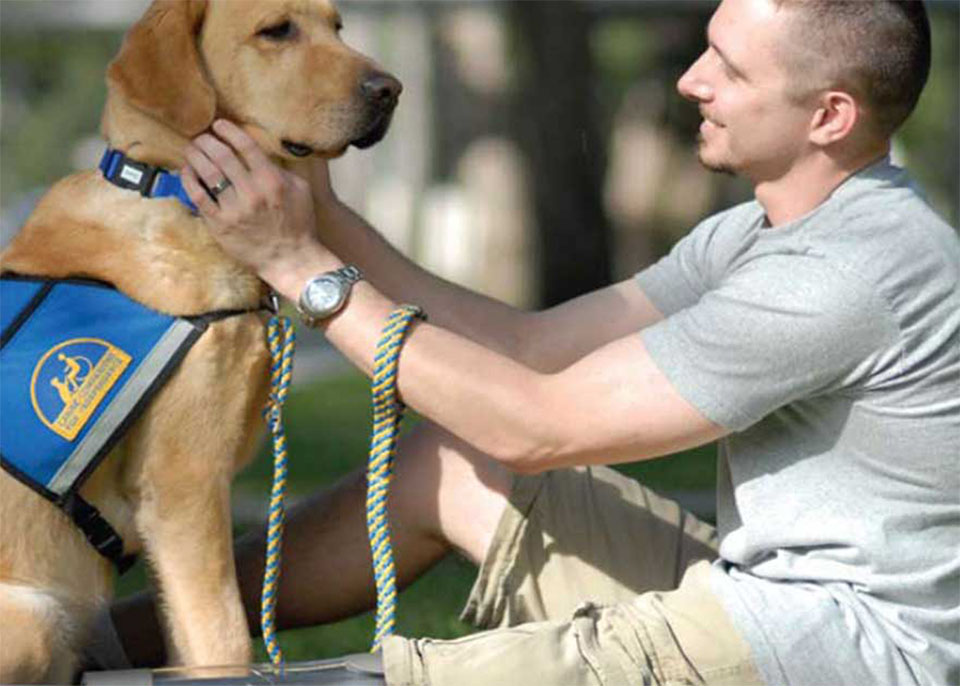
x=591 y=580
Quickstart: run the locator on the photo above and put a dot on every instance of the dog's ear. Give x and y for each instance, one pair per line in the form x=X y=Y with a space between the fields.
x=159 y=71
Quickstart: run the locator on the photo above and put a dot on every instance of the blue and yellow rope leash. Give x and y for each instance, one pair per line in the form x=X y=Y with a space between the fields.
x=280 y=339
x=387 y=414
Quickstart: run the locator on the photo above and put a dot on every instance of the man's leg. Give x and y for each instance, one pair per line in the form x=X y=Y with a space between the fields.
x=680 y=637
x=444 y=496
x=590 y=580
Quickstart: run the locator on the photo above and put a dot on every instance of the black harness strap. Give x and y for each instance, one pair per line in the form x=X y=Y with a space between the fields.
x=97 y=530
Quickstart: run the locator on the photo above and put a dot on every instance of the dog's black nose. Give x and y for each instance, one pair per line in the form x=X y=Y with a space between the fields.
x=381 y=90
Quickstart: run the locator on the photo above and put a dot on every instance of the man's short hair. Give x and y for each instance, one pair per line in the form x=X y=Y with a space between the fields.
x=876 y=50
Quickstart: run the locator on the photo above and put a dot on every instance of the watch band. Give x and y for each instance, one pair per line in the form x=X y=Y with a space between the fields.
x=349 y=273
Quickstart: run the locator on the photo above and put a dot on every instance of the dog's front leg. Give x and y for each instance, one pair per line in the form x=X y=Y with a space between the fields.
x=187 y=446
x=187 y=534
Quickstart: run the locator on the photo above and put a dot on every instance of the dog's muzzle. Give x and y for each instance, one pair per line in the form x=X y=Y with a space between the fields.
x=381 y=93
x=375 y=133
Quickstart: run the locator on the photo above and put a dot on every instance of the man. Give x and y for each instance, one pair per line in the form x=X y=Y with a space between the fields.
x=813 y=331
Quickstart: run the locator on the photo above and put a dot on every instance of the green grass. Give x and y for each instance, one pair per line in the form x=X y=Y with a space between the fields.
x=327 y=425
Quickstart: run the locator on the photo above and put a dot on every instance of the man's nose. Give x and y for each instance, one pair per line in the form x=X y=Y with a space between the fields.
x=692 y=84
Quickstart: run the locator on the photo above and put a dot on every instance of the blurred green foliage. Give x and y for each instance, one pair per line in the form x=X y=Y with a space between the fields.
x=52 y=90
x=931 y=137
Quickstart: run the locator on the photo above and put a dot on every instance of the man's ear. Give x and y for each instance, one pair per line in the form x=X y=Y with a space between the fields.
x=837 y=117
x=158 y=69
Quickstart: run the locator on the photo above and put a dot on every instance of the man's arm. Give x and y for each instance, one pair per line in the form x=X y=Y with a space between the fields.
x=614 y=405
x=546 y=341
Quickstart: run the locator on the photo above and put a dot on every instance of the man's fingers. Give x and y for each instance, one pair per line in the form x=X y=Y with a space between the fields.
x=224 y=160
x=198 y=196
x=205 y=170
x=250 y=152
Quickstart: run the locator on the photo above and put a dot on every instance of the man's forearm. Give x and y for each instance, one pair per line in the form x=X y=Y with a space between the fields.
x=547 y=341
x=493 y=324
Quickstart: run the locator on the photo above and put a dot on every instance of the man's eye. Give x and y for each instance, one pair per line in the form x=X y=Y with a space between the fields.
x=728 y=70
x=285 y=30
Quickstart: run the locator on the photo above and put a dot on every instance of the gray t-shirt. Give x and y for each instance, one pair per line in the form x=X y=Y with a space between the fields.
x=830 y=346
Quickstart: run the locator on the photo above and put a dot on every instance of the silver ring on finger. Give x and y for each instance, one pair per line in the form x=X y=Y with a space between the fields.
x=222 y=185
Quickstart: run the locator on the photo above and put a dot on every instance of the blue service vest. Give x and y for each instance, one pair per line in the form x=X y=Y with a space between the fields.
x=79 y=361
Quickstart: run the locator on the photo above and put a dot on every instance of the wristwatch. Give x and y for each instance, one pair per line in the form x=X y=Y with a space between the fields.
x=324 y=295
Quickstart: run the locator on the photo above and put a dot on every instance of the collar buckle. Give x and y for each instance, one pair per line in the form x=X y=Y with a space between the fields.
x=136 y=176
x=148 y=180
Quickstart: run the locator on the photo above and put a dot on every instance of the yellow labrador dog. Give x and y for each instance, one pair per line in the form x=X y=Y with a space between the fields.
x=278 y=68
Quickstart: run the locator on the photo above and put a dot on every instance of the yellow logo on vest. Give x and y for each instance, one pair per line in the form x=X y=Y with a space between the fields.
x=72 y=379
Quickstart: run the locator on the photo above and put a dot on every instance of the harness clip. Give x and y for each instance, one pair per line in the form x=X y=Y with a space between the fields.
x=273 y=302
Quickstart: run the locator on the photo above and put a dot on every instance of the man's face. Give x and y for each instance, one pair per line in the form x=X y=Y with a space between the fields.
x=750 y=126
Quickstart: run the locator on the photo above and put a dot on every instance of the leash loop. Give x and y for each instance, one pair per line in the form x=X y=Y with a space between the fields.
x=387 y=415
x=280 y=339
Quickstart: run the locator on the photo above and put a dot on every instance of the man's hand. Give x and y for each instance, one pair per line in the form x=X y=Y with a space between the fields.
x=264 y=217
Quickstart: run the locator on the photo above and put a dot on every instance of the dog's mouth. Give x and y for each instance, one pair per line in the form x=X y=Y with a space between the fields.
x=375 y=133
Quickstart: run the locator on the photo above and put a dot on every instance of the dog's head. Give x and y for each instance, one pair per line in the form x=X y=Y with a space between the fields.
x=277 y=67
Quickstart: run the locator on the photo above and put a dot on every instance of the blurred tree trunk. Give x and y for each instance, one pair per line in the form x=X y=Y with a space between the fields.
x=555 y=126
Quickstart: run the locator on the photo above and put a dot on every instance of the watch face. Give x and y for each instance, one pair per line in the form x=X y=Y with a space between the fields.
x=323 y=295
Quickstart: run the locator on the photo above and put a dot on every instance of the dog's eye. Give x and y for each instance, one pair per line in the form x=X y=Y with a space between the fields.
x=285 y=30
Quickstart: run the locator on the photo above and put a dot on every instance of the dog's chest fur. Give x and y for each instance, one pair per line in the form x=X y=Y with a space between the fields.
x=152 y=250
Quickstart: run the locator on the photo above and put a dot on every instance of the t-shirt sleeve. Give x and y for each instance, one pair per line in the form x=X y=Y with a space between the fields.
x=680 y=279
x=776 y=330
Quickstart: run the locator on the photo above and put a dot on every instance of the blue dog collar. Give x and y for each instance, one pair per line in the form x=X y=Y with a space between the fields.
x=148 y=180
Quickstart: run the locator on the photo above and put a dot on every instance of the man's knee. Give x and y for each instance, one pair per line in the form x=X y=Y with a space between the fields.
x=459 y=492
